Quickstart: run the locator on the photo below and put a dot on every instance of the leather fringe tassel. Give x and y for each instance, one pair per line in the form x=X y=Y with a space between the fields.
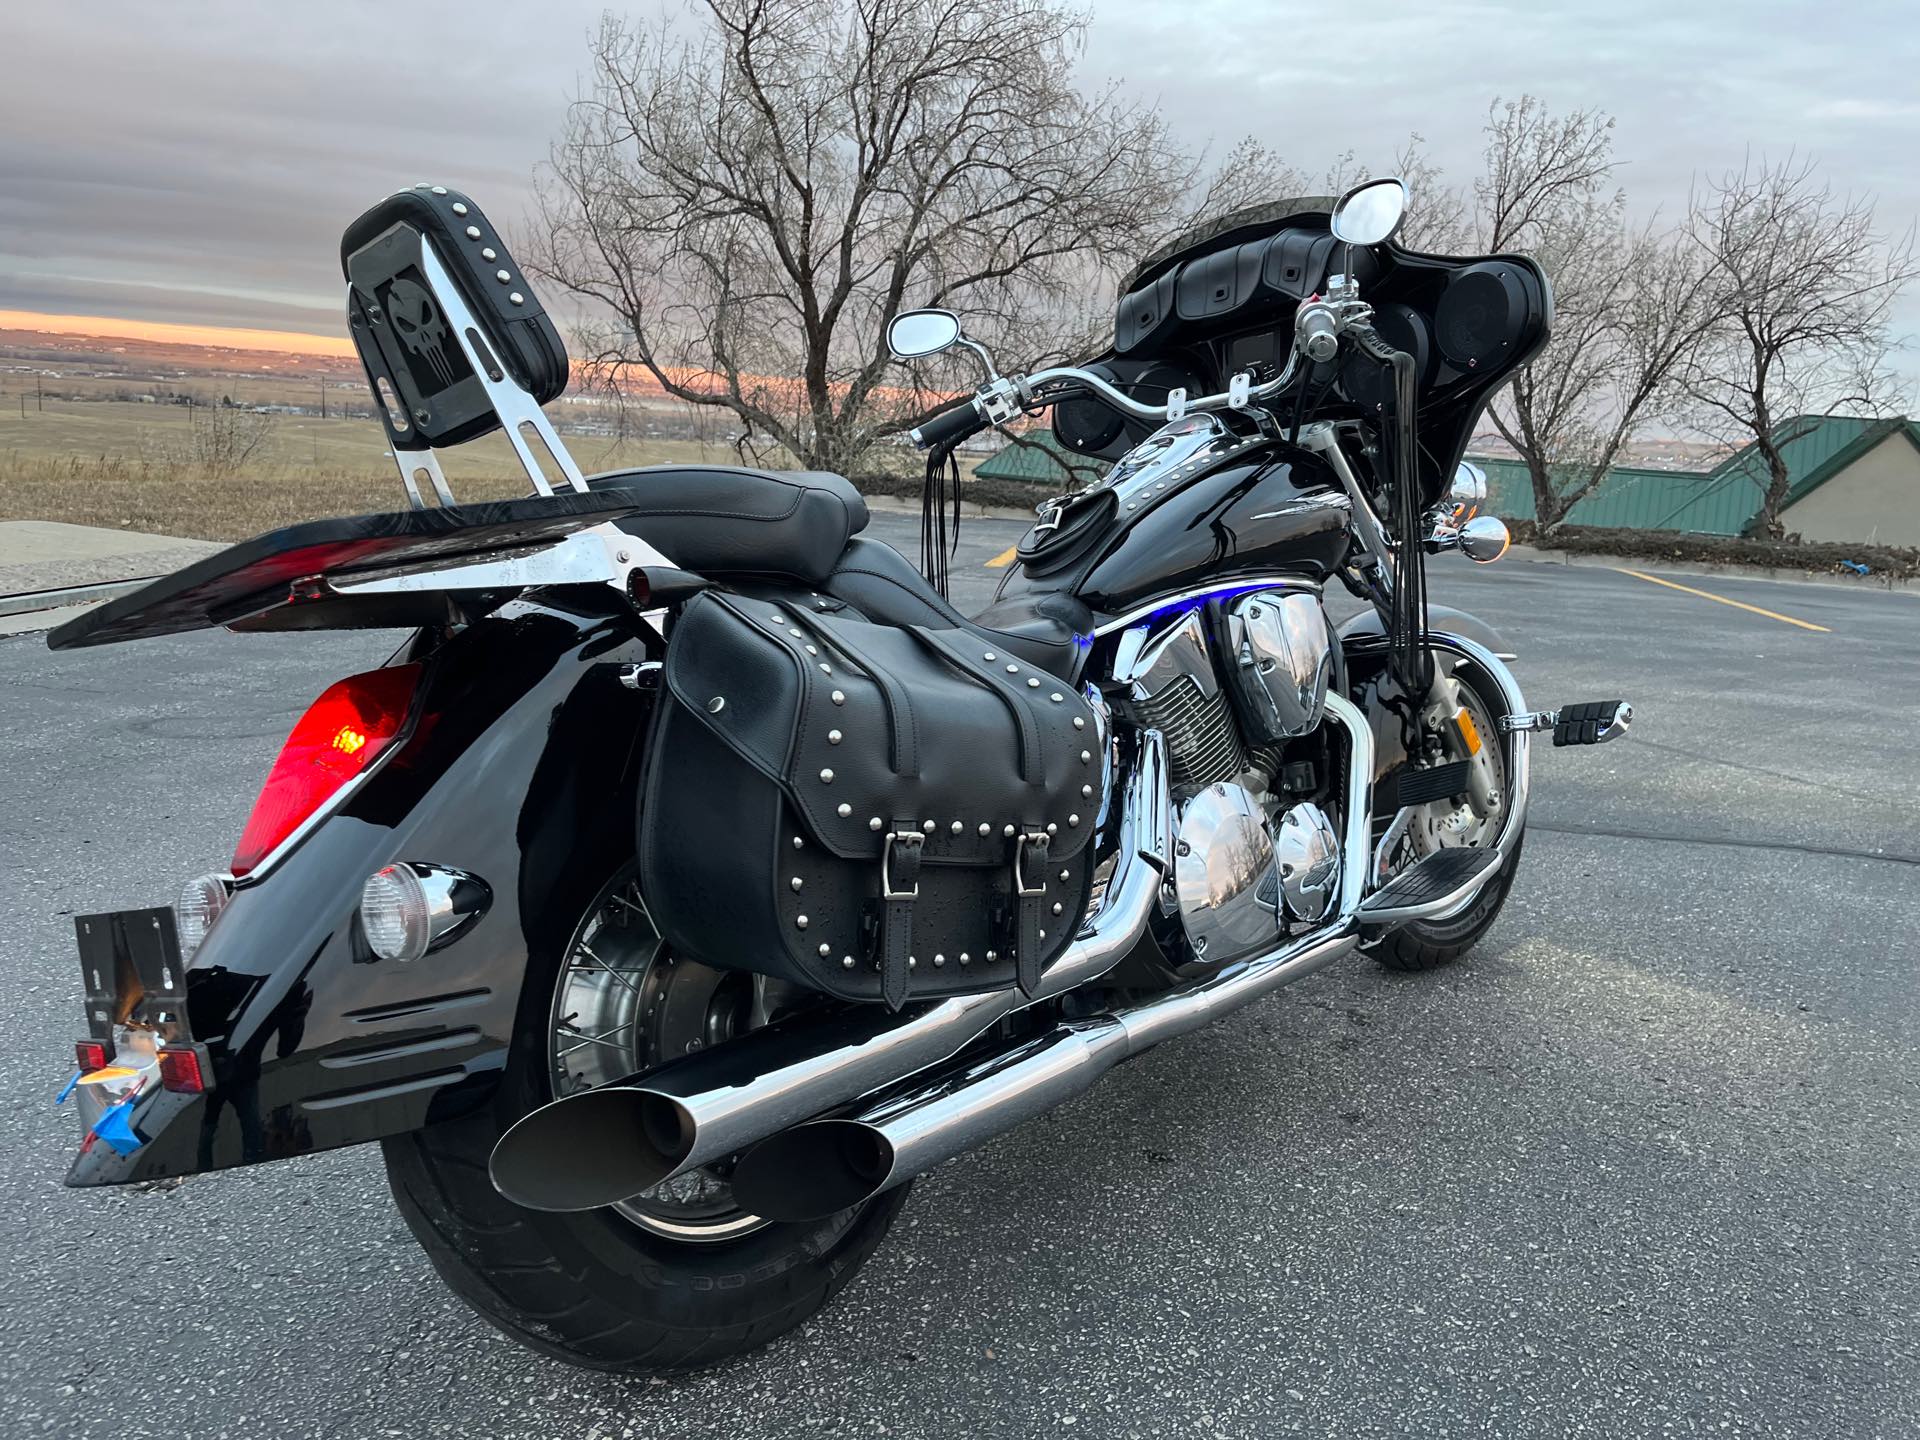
x=938 y=538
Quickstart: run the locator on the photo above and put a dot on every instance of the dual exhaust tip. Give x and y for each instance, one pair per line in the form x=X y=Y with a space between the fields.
x=602 y=1147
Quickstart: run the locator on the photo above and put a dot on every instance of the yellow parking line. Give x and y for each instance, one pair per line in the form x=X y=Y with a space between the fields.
x=1005 y=558
x=1737 y=604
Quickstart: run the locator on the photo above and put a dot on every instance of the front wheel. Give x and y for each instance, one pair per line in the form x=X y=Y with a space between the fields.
x=674 y=1279
x=1443 y=824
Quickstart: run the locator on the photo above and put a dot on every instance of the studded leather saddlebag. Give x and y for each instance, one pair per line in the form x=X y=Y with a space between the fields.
x=879 y=812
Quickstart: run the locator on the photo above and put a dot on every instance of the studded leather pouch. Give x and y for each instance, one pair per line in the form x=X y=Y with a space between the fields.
x=1070 y=528
x=879 y=812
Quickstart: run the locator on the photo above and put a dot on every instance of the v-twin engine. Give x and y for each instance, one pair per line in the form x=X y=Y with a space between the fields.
x=1248 y=865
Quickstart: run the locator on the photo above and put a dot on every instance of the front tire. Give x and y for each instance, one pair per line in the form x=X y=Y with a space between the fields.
x=1429 y=944
x=612 y=1289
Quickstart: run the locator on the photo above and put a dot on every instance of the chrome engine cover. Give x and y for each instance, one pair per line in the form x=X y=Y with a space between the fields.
x=1223 y=872
x=1172 y=687
x=1307 y=850
x=1281 y=662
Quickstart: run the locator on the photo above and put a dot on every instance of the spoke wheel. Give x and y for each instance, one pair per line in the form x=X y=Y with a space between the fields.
x=623 y=1003
x=1447 y=824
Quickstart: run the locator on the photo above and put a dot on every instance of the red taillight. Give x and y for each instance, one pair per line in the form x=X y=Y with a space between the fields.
x=342 y=733
x=180 y=1071
x=91 y=1055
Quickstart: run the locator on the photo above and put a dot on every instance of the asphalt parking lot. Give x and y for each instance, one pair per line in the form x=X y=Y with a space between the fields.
x=1643 y=1165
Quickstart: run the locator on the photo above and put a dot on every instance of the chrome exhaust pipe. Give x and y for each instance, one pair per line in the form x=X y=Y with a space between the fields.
x=612 y=1143
x=828 y=1165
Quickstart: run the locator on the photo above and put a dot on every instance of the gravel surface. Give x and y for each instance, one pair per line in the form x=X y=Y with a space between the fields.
x=1643 y=1165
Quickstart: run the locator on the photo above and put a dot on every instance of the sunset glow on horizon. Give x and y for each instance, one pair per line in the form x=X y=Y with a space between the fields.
x=107 y=327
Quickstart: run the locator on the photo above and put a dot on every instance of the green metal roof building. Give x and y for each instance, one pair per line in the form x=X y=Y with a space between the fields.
x=1039 y=459
x=1850 y=479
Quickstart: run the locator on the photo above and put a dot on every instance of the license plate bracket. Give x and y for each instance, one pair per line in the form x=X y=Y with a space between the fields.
x=130 y=961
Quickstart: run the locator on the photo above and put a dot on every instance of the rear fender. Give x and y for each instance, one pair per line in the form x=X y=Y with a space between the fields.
x=521 y=769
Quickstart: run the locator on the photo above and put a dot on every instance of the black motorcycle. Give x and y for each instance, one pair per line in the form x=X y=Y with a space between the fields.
x=694 y=875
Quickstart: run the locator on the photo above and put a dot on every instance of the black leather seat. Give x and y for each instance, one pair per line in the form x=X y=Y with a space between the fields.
x=728 y=520
x=1048 y=629
x=801 y=525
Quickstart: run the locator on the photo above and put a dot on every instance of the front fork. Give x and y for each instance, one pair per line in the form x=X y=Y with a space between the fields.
x=1461 y=736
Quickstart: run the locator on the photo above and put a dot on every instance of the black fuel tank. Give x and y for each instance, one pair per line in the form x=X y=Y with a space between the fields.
x=1266 y=509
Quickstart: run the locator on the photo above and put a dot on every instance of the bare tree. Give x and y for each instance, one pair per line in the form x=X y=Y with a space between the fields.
x=220 y=440
x=749 y=208
x=1629 y=310
x=1806 y=283
x=1537 y=165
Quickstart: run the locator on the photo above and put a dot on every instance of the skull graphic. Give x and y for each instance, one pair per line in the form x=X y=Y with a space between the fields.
x=422 y=329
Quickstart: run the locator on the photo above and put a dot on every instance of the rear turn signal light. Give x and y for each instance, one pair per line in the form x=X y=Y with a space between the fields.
x=338 y=739
x=180 y=1071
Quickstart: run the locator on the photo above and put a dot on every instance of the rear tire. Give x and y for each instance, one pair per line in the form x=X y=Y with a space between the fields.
x=594 y=1287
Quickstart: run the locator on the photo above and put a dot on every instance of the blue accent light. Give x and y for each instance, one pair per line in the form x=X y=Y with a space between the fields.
x=1194 y=602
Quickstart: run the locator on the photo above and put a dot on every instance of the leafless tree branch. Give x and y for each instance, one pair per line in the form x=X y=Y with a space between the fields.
x=1805 y=284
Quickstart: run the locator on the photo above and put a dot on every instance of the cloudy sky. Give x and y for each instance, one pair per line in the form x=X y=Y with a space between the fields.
x=195 y=161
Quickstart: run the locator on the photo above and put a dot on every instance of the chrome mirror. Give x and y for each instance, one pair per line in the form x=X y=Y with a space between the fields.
x=915 y=333
x=1467 y=493
x=1369 y=214
x=1484 y=539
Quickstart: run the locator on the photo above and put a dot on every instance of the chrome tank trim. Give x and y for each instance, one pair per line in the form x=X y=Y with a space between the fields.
x=609 y=1144
x=827 y=1165
x=1202 y=593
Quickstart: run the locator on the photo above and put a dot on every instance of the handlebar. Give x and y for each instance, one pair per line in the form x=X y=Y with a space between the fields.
x=1319 y=326
x=1318 y=331
x=950 y=426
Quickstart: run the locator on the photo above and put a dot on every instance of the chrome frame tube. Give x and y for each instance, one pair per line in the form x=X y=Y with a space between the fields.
x=611 y=1143
x=1323 y=439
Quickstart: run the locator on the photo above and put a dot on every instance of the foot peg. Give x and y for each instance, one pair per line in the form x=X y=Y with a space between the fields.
x=1433 y=883
x=1593 y=722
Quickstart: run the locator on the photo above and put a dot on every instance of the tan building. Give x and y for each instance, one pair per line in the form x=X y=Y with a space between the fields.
x=1849 y=479
x=1867 y=489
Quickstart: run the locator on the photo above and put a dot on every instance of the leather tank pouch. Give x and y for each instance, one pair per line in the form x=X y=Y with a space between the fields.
x=1077 y=524
x=879 y=812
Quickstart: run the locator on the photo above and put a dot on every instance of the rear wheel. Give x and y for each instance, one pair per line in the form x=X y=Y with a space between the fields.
x=673 y=1279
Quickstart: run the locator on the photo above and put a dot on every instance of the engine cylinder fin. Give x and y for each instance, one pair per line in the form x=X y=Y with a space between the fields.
x=1202 y=744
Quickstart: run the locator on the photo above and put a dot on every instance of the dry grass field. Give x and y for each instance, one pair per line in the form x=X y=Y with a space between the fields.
x=128 y=464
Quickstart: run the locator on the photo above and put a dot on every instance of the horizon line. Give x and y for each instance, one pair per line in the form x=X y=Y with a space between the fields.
x=170 y=332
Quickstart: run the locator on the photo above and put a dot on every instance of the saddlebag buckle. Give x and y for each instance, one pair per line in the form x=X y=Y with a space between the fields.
x=1039 y=842
x=913 y=842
